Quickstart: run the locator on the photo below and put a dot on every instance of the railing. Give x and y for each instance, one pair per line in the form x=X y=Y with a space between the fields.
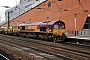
x=78 y=32
x=72 y=32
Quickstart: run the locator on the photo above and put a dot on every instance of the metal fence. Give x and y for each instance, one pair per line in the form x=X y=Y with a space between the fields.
x=83 y=32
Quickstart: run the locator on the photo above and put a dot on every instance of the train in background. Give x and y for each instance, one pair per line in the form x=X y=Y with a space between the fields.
x=9 y=30
x=47 y=30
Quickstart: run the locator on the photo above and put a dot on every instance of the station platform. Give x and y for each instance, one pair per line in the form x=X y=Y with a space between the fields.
x=83 y=37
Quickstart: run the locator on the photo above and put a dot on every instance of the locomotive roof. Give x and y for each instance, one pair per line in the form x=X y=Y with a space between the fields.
x=54 y=21
x=51 y=22
x=41 y=23
x=32 y=23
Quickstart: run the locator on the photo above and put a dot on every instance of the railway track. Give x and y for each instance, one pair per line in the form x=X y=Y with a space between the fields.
x=58 y=51
x=78 y=44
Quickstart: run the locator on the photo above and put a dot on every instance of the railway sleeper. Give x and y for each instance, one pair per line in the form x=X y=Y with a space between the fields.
x=58 y=39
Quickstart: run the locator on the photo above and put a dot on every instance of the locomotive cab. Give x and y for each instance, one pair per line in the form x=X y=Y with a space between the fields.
x=48 y=30
x=58 y=31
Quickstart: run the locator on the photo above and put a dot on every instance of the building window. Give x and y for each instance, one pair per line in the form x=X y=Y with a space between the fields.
x=49 y=4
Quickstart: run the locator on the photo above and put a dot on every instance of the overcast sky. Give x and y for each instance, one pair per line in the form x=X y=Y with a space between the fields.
x=10 y=3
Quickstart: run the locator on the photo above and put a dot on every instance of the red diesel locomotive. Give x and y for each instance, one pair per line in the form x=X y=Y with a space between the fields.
x=48 y=30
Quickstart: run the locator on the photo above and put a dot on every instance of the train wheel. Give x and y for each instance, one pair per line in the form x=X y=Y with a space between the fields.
x=58 y=39
x=45 y=37
x=27 y=35
x=54 y=40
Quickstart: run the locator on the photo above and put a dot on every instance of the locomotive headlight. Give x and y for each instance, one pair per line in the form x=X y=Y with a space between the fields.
x=55 y=33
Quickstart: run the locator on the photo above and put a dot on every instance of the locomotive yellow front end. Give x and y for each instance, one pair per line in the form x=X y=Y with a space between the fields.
x=59 y=32
x=58 y=35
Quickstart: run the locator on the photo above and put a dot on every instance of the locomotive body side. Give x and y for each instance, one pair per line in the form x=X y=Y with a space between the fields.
x=44 y=30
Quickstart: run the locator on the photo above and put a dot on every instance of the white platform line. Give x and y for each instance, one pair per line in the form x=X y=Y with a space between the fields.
x=4 y=57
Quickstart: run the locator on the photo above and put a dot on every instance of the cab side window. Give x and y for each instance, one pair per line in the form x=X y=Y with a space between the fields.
x=23 y=27
x=42 y=28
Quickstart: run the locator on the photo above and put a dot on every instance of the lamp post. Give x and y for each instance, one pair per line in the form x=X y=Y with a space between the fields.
x=18 y=21
x=18 y=16
x=8 y=21
x=75 y=22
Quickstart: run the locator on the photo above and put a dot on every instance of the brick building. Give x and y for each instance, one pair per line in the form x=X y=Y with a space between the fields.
x=64 y=10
